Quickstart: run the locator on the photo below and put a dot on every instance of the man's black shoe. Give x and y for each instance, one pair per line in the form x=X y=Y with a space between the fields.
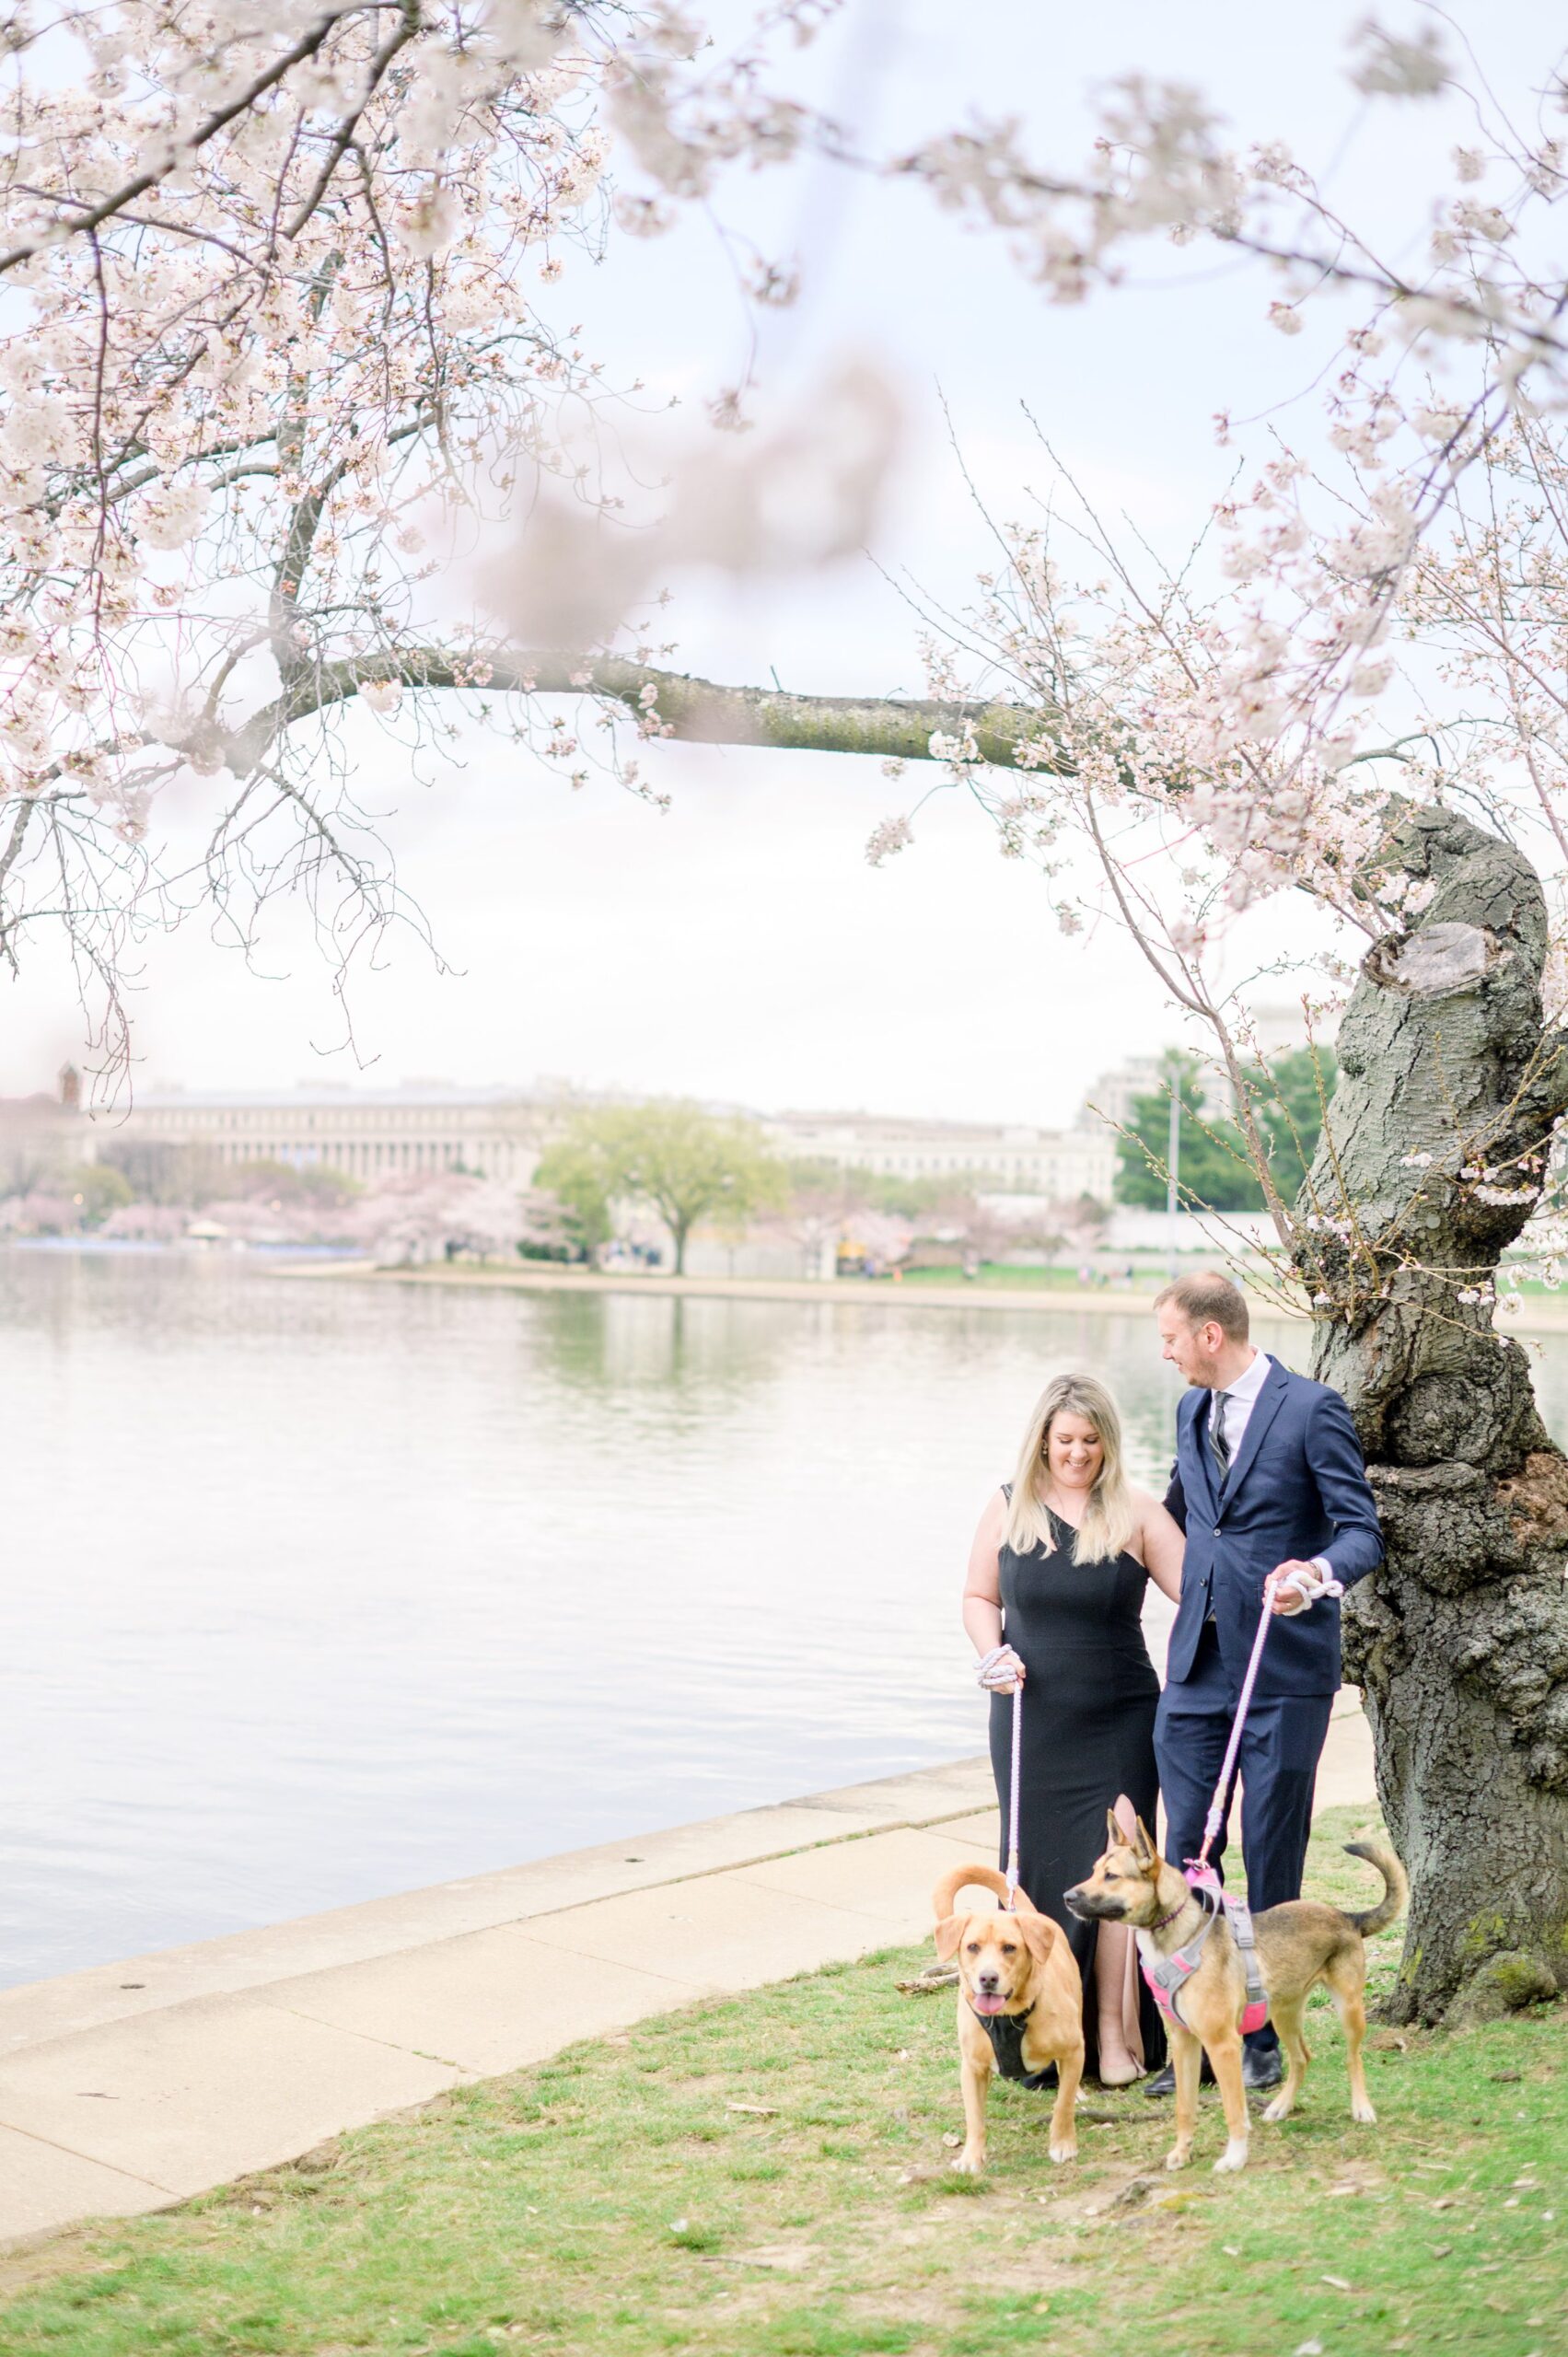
x=1261 y=2068
x=1164 y=2081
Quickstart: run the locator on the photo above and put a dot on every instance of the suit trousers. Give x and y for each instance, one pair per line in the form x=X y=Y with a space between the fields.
x=1280 y=1745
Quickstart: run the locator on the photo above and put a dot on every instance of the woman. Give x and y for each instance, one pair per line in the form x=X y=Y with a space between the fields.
x=1053 y=1602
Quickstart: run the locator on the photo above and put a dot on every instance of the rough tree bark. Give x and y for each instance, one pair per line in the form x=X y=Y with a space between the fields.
x=1461 y=1641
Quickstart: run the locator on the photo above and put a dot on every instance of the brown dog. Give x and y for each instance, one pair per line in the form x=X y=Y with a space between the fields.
x=1020 y=2006
x=1299 y=1945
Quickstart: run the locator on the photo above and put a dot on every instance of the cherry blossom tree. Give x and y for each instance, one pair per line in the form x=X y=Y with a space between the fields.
x=276 y=288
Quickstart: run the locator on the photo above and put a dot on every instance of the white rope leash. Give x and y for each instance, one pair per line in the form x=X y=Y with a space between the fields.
x=1012 y=1875
x=996 y=1670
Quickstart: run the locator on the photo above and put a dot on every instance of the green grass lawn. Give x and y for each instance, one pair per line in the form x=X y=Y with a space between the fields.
x=766 y=2177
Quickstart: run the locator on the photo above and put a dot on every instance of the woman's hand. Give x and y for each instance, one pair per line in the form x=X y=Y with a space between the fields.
x=1000 y=1671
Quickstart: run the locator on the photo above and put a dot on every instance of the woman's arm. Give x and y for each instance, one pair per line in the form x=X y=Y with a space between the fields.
x=1163 y=1545
x=982 y=1581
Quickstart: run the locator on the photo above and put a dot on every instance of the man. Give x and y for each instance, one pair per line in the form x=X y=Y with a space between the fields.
x=1268 y=1477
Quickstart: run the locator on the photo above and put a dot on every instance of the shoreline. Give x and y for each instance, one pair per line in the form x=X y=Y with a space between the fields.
x=135 y=2085
x=1535 y=1316
x=879 y=1293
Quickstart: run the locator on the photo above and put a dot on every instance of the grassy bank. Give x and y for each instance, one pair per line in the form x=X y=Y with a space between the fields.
x=765 y=2177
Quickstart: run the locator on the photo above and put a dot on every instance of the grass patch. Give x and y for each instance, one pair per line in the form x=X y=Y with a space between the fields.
x=611 y=2201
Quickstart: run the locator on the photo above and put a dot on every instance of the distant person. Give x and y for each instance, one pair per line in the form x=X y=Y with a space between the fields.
x=1268 y=1478
x=1053 y=1598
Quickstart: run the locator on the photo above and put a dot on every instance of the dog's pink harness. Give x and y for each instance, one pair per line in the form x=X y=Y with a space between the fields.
x=1167 y=1974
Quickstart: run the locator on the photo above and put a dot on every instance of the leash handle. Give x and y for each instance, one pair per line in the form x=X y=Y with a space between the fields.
x=1011 y=1875
x=1215 y=1817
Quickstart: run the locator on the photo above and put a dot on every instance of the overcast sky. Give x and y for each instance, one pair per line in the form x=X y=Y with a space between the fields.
x=739 y=946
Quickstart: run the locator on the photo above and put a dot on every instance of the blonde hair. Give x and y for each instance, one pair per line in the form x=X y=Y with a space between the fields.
x=1110 y=1519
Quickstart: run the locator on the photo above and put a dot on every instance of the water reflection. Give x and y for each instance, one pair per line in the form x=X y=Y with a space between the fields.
x=321 y=1589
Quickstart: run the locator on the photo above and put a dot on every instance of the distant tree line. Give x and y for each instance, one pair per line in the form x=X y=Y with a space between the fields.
x=1216 y=1172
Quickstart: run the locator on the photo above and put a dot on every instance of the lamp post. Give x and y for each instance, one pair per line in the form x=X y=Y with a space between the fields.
x=1173 y=1166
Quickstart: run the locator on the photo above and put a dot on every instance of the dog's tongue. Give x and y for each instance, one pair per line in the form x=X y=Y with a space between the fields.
x=988 y=2004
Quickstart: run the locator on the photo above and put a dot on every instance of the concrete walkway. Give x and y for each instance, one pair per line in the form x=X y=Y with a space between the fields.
x=135 y=2085
x=1537 y=1314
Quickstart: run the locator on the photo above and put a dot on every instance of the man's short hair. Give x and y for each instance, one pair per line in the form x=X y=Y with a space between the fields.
x=1209 y=1298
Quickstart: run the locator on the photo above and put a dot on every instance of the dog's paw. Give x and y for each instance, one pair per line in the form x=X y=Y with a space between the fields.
x=1064 y=2151
x=1360 y=2111
x=1277 y=2110
x=968 y=2163
x=1233 y=2157
x=1179 y=2157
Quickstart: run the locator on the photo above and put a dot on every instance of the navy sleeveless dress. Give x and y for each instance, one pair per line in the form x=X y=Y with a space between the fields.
x=1088 y=1734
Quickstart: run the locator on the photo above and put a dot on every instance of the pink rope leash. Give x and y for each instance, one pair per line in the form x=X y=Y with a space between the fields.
x=1215 y=1817
x=1199 y=1868
x=1012 y=1877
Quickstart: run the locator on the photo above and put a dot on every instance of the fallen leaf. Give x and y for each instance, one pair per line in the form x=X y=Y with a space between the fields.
x=1502 y=2078
x=1337 y=2280
x=952 y=2142
x=1230 y=2250
x=1446 y=2201
x=1441 y=2251
x=755 y=2111
x=1309 y=2349
x=678 y=2225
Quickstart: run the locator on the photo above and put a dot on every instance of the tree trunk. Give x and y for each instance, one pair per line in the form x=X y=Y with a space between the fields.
x=1460 y=1640
x=681 y=1230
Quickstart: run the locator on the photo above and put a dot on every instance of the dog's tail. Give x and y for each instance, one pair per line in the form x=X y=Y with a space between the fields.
x=958 y=1878
x=1396 y=1891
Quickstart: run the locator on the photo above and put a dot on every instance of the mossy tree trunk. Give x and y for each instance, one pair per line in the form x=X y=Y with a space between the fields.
x=1461 y=1641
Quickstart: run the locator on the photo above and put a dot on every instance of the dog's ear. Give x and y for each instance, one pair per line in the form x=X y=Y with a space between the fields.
x=947 y=1934
x=1114 y=1836
x=1040 y=1935
x=1144 y=1848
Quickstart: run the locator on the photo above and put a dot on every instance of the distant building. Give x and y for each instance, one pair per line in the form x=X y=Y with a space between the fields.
x=366 y=1134
x=41 y=1137
x=1057 y=1164
x=1110 y=1097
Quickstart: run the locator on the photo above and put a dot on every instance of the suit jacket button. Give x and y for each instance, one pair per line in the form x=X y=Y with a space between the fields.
x=1216 y=1530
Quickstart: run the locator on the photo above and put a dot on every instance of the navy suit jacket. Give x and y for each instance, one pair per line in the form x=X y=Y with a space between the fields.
x=1297 y=1487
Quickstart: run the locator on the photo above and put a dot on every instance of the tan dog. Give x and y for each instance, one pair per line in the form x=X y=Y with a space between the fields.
x=1018 y=1973
x=1299 y=1945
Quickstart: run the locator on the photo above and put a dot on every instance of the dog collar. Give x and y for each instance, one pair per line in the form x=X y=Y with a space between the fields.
x=1160 y=1923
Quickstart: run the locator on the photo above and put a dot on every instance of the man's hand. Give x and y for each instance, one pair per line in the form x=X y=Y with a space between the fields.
x=1292 y=1600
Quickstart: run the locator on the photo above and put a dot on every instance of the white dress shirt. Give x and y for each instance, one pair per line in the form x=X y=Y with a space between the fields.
x=1241 y=1398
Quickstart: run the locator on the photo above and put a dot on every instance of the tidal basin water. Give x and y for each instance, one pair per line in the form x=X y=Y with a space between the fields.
x=320 y=1589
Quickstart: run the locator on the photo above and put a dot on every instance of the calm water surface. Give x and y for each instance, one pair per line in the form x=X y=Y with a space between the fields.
x=321 y=1590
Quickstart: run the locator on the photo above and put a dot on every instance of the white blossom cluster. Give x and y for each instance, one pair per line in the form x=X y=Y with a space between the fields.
x=277 y=287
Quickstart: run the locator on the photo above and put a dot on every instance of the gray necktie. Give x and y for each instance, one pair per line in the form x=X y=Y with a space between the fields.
x=1217 y=1440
